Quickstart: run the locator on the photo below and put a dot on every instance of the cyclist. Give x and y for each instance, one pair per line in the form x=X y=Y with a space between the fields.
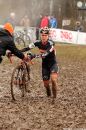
x=7 y=42
x=49 y=63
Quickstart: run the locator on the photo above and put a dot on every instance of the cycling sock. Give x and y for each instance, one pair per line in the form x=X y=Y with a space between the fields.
x=48 y=91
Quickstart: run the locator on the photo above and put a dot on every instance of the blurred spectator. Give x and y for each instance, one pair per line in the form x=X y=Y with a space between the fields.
x=79 y=27
x=38 y=23
x=53 y=22
x=11 y=19
x=44 y=22
x=25 y=21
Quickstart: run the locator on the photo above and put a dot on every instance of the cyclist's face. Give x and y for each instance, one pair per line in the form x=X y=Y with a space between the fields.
x=44 y=37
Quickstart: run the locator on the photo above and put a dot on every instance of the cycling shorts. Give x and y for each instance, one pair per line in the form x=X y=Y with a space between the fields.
x=46 y=71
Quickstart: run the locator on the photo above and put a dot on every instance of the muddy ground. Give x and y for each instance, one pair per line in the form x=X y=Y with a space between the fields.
x=35 y=111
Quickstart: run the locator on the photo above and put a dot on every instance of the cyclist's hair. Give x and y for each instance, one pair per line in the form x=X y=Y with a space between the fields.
x=44 y=30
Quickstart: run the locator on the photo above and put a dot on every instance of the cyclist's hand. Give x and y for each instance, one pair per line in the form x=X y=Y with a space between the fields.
x=38 y=56
x=44 y=55
x=8 y=53
x=26 y=58
x=31 y=56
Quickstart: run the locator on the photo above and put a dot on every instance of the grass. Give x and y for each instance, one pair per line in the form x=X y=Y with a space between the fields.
x=71 y=51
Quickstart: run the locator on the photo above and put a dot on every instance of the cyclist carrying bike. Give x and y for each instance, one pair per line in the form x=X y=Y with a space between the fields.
x=49 y=63
x=7 y=42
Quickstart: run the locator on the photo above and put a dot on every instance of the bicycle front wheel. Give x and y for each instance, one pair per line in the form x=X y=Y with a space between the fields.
x=17 y=83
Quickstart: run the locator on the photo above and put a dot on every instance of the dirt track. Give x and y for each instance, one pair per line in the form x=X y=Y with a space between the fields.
x=36 y=111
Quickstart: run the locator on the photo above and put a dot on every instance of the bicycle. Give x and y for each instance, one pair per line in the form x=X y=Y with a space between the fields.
x=26 y=37
x=22 y=37
x=20 y=43
x=20 y=78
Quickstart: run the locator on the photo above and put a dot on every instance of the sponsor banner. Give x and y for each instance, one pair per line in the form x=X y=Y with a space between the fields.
x=81 y=38
x=66 y=36
x=61 y=35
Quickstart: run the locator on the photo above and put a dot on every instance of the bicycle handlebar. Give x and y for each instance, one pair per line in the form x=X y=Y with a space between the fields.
x=30 y=56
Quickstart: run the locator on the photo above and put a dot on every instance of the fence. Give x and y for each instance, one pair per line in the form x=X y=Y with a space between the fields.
x=60 y=35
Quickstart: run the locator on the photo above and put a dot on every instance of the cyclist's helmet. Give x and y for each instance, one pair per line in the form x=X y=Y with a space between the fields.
x=44 y=30
x=9 y=28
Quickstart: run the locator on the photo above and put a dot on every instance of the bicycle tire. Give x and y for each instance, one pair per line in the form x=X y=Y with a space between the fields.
x=26 y=39
x=20 y=43
x=19 y=80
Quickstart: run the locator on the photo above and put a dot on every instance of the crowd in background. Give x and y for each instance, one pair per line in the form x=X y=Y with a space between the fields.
x=42 y=21
x=45 y=21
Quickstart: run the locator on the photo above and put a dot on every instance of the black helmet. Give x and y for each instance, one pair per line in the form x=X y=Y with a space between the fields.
x=44 y=30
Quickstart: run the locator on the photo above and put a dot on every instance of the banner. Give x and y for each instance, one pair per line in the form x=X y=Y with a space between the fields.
x=81 y=38
x=66 y=36
x=60 y=35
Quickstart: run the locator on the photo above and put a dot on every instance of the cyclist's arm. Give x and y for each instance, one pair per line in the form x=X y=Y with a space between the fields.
x=25 y=49
x=11 y=46
x=28 y=48
x=48 y=51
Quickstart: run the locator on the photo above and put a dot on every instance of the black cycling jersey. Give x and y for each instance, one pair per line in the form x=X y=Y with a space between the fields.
x=49 y=48
x=49 y=63
x=7 y=43
x=44 y=47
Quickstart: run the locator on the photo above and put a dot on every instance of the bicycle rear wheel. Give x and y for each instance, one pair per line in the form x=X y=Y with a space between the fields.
x=17 y=82
x=20 y=43
x=27 y=39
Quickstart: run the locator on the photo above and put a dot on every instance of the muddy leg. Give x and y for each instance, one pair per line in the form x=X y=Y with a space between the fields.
x=54 y=89
x=46 y=85
x=54 y=84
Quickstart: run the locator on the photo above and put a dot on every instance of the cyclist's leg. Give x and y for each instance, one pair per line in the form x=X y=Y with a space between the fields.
x=54 y=77
x=46 y=77
x=54 y=84
x=46 y=85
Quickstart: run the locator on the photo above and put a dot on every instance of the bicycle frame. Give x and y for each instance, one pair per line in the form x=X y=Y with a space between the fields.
x=20 y=78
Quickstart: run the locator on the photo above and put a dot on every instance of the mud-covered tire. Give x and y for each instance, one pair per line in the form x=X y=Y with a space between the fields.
x=19 y=81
